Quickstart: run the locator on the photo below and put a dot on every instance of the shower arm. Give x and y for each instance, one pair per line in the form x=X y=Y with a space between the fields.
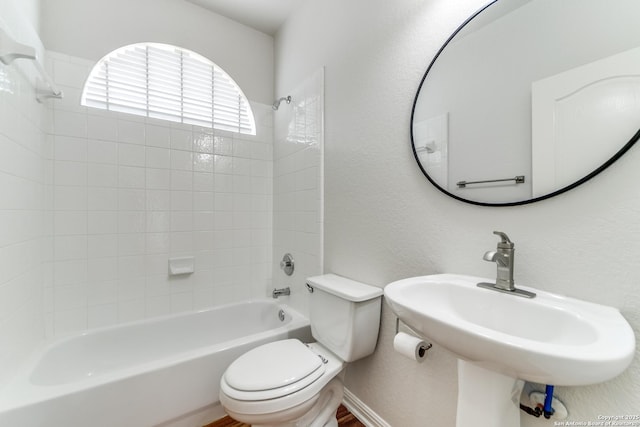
x=276 y=104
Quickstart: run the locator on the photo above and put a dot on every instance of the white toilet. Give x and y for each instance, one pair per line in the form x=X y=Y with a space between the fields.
x=289 y=383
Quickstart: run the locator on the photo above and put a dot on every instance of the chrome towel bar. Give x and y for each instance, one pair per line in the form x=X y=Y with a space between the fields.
x=518 y=180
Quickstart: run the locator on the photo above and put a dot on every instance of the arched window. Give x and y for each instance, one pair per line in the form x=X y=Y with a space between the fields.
x=170 y=83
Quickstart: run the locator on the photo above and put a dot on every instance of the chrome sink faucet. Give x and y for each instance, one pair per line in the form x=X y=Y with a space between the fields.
x=503 y=257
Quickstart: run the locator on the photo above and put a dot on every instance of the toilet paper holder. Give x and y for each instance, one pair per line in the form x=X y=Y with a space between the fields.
x=424 y=348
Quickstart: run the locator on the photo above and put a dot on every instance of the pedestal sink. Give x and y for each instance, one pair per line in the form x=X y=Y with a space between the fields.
x=502 y=339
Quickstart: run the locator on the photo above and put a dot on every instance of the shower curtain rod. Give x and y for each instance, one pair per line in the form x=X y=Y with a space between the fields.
x=10 y=50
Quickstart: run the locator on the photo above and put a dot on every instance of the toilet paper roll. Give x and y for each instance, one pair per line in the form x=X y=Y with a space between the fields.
x=410 y=346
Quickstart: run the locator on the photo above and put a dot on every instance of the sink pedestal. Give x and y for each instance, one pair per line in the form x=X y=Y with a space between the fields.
x=486 y=397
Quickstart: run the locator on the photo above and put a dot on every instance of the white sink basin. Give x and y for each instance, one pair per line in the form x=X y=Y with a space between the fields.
x=549 y=339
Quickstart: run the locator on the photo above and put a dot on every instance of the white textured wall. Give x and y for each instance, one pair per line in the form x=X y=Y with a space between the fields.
x=384 y=221
x=92 y=28
x=131 y=192
x=23 y=246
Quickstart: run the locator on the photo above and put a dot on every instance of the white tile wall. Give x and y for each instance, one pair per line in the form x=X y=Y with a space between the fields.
x=297 y=186
x=130 y=192
x=24 y=219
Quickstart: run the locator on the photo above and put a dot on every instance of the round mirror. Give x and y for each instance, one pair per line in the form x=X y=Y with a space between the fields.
x=529 y=98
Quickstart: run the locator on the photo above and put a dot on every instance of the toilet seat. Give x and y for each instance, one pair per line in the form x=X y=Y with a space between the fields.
x=272 y=370
x=299 y=394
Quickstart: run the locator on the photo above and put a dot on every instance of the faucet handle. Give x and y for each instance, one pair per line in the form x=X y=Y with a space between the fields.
x=505 y=242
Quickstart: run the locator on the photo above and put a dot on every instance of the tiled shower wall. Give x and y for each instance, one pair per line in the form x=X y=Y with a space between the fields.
x=298 y=188
x=129 y=192
x=22 y=216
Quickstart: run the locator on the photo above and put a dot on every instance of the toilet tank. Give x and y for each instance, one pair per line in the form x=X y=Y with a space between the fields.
x=344 y=315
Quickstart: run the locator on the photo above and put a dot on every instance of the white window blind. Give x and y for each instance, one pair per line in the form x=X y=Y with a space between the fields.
x=169 y=83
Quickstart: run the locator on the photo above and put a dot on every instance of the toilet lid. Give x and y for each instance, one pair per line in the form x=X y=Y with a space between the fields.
x=277 y=365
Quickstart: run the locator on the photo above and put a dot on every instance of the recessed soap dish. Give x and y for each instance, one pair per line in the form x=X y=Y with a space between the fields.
x=181 y=265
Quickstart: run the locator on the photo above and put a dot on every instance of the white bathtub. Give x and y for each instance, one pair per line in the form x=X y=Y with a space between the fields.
x=146 y=373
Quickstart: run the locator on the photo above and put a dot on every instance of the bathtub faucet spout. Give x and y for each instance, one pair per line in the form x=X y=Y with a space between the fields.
x=278 y=292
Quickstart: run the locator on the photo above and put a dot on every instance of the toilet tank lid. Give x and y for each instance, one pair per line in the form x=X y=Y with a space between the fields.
x=344 y=288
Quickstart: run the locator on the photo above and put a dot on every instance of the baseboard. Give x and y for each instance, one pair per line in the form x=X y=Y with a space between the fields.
x=365 y=414
x=199 y=417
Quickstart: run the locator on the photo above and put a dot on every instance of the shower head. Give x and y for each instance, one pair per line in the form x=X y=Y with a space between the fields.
x=276 y=104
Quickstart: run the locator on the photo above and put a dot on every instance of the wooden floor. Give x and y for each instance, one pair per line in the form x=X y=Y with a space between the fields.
x=345 y=419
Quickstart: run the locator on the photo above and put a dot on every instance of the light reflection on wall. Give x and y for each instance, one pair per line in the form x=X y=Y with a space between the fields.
x=6 y=84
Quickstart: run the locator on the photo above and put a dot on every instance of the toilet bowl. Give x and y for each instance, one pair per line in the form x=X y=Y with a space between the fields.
x=290 y=383
x=298 y=385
